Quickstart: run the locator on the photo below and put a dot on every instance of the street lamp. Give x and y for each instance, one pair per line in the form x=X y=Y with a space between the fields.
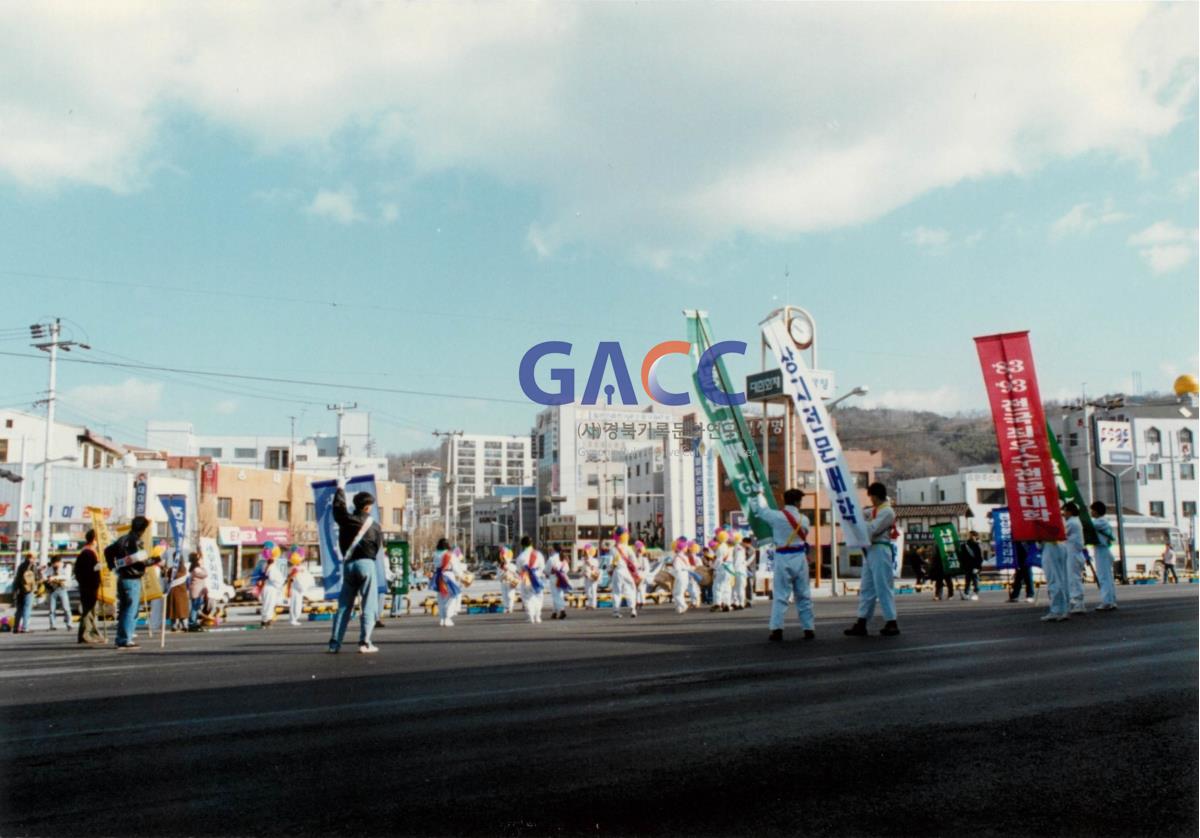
x=833 y=557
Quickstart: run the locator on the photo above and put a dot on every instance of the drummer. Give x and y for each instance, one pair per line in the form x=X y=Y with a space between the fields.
x=507 y=574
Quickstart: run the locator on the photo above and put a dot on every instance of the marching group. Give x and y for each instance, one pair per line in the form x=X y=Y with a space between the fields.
x=721 y=570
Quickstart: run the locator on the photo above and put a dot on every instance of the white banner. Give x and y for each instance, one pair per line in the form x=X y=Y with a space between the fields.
x=827 y=450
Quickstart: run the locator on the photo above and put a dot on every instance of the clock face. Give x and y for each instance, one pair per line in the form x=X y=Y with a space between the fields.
x=801 y=331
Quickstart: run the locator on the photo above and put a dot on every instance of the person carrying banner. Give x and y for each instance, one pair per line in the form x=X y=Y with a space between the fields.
x=1023 y=575
x=878 y=566
x=789 y=530
x=624 y=575
x=1075 y=557
x=530 y=565
x=87 y=575
x=591 y=577
x=127 y=557
x=1104 y=557
x=1054 y=566
x=359 y=539
x=560 y=585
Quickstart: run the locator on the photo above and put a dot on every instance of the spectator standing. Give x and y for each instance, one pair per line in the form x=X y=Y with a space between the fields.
x=197 y=590
x=128 y=559
x=25 y=585
x=1023 y=576
x=179 y=604
x=941 y=579
x=1168 y=560
x=57 y=578
x=87 y=576
x=970 y=556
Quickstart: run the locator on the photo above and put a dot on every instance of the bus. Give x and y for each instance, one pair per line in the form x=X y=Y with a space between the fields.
x=1145 y=538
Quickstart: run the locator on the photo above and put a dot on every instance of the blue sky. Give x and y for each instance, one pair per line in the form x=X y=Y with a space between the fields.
x=196 y=187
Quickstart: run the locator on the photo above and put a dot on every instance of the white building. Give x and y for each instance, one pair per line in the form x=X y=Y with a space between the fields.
x=980 y=487
x=584 y=471
x=1162 y=482
x=315 y=455
x=476 y=463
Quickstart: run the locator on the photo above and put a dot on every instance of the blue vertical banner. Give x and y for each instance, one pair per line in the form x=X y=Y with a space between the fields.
x=327 y=532
x=140 y=487
x=1002 y=543
x=176 y=508
x=698 y=488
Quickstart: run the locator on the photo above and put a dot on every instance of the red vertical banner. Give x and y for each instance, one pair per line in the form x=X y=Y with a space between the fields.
x=1016 y=403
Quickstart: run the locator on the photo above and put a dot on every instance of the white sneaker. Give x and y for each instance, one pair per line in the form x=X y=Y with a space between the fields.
x=617 y=615
x=449 y=624
x=368 y=649
x=974 y=597
x=1027 y=599
x=293 y=623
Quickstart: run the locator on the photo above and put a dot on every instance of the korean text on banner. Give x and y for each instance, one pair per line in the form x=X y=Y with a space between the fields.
x=1002 y=543
x=327 y=533
x=1016 y=403
x=176 y=508
x=734 y=446
x=814 y=417
x=945 y=536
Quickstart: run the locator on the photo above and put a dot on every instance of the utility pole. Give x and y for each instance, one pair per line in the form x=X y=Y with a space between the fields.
x=47 y=338
x=340 y=408
x=448 y=477
x=21 y=504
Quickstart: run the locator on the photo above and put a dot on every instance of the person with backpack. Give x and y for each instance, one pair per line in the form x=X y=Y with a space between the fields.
x=789 y=530
x=25 y=585
x=128 y=558
x=360 y=539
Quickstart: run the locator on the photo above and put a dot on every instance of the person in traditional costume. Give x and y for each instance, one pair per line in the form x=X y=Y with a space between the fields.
x=509 y=580
x=624 y=574
x=269 y=577
x=560 y=585
x=642 y=560
x=879 y=566
x=591 y=576
x=299 y=580
x=723 y=571
x=681 y=569
x=530 y=565
x=446 y=583
x=789 y=531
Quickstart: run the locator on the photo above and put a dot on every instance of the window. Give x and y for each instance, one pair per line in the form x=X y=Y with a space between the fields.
x=991 y=497
x=1189 y=509
x=224 y=508
x=277 y=459
x=1187 y=471
x=310 y=512
x=492 y=446
x=1072 y=439
x=1074 y=474
x=3 y=450
x=1153 y=436
x=593 y=504
x=941 y=494
x=862 y=479
x=255 y=509
x=1156 y=508
x=396 y=512
x=285 y=510
x=593 y=480
x=215 y=453
x=245 y=453
x=1185 y=436
x=1154 y=471
x=916 y=527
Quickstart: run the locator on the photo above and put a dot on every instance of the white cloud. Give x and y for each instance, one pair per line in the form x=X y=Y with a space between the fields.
x=539 y=241
x=226 y=407
x=389 y=213
x=133 y=398
x=932 y=237
x=657 y=126
x=1081 y=219
x=1164 y=246
x=337 y=205
x=944 y=400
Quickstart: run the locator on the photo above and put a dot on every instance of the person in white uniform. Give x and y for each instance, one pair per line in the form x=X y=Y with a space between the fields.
x=723 y=576
x=740 y=574
x=299 y=580
x=623 y=573
x=681 y=569
x=1104 y=557
x=560 y=585
x=1054 y=566
x=695 y=560
x=531 y=565
x=641 y=560
x=445 y=583
x=789 y=531
x=1076 y=559
x=879 y=566
x=273 y=578
x=591 y=577
x=509 y=579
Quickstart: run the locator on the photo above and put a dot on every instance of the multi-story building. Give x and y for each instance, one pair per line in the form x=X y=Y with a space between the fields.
x=981 y=488
x=474 y=464
x=1161 y=481
x=316 y=455
x=599 y=467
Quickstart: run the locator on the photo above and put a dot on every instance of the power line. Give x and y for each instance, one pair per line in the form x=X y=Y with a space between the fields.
x=272 y=380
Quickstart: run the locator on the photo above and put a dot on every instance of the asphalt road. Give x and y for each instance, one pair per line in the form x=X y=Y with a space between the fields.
x=977 y=720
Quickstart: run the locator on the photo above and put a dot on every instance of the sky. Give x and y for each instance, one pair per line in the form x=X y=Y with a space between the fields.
x=372 y=198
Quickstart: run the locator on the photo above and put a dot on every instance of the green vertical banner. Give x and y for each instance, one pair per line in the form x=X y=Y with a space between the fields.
x=397 y=553
x=1068 y=490
x=733 y=441
x=945 y=536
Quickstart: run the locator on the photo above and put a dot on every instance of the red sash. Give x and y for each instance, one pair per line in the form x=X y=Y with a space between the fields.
x=796 y=528
x=637 y=579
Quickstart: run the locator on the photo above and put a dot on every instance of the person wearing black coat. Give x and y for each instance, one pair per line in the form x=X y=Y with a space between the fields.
x=970 y=557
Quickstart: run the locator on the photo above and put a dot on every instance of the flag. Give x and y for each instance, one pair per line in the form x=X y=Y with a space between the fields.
x=176 y=508
x=734 y=445
x=814 y=418
x=1016 y=403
